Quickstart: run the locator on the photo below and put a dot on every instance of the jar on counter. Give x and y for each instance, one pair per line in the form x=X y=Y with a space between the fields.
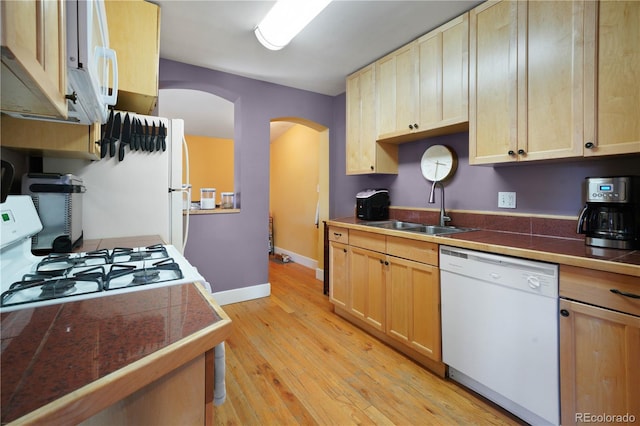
x=226 y=200
x=208 y=198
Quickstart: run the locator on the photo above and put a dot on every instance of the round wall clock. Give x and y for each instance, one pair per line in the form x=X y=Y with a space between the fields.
x=438 y=163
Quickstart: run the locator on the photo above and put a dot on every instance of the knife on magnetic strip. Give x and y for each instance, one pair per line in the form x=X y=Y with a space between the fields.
x=106 y=136
x=115 y=135
x=125 y=138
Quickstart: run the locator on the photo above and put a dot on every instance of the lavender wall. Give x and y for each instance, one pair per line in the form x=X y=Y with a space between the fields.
x=230 y=250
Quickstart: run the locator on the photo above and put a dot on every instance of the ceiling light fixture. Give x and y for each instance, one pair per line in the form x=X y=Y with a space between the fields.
x=285 y=20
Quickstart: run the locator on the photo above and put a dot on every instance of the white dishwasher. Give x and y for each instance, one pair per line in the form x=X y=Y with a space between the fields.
x=500 y=330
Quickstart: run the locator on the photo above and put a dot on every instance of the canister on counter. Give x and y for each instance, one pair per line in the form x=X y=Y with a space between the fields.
x=226 y=200
x=208 y=198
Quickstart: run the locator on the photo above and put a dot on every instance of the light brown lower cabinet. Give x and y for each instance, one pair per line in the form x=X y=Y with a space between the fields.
x=392 y=289
x=599 y=347
x=413 y=316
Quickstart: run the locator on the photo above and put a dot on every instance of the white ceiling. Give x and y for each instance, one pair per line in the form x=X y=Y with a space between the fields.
x=346 y=36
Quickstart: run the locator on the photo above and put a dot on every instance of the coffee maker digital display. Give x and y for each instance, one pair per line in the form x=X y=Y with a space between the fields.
x=611 y=216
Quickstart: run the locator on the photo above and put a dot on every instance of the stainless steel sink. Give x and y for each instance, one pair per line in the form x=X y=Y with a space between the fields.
x=394 y=224
x=439 y=230
x=417 y=227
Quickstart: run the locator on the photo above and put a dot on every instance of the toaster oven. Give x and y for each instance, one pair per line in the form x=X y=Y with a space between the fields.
x=58 y=201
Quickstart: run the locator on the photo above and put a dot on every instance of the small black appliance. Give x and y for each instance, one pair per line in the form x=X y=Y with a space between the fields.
x=611 y=216
x=373 y=204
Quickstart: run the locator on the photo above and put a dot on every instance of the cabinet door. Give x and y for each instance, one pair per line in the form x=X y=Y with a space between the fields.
x=367 y=282
x=599 y=362
x=51 y=138
x=413 y=306
x=338 y=273
x=616 y=98
x=363 y=153
x=361 y=121
x=138 y=62
x=397 y=92
x=443 y=57
x=33 y=57
x=493 y=83
x=551 y=79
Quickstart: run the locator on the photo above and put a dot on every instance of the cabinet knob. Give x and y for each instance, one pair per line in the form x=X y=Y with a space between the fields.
x=521 y=152
x=371 y=167
x=411 y=126
x=511 y=152
x=415 y=125
x=386 y=263
x=564 y=312
x=344 y=249
x=589 y=145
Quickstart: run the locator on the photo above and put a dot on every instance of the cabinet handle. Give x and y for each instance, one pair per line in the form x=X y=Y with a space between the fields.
x=564 y=312
x=511 y=152
x=337 y=234
x=345 y=250
x=521 y=151
x=589 y=145
x=625 y=294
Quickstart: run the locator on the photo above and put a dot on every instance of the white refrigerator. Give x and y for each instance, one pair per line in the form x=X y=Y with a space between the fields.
x=141 y=195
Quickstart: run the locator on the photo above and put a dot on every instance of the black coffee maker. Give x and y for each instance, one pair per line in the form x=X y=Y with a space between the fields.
x=611 y=216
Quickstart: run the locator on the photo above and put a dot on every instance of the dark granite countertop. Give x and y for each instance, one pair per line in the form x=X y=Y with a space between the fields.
x=55 y=355
x=561 y=250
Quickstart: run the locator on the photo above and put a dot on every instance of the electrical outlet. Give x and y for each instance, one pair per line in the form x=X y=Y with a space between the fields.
x=507 y=200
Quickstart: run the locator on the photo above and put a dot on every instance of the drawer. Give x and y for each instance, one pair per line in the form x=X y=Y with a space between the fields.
x=367 y=240
x=419 y=251
x=594 y=287
x=340 y=235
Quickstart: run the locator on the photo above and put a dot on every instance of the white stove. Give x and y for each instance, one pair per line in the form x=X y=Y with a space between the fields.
x=28 y=281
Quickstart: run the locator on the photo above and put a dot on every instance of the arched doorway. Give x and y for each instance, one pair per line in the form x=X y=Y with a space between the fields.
x=299 y=190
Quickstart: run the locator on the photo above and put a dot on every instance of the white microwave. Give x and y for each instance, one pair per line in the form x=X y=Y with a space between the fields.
x=92 y=67
x=90 y=62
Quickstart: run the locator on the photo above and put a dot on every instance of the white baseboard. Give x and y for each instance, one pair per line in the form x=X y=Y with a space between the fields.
x=304 y=261
x=243 y=294
x=298 y=258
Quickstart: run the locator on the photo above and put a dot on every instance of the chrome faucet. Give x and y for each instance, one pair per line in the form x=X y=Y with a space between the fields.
x=443 y=215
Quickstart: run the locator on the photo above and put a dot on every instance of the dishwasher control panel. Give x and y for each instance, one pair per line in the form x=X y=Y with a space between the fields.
x=513 y=272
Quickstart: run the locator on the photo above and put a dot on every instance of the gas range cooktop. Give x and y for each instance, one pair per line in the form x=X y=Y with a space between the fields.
x=32 y=281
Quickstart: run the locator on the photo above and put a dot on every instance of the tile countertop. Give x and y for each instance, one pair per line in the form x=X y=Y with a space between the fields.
x=565 y=251
x=71 y=360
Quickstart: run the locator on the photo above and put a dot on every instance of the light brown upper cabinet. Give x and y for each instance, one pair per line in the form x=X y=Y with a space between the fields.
x=134 y=33
x=553 y=80
x=613 y=100
x=422 y=88
x=33 y=58
x=526 y=81
x=51 y=139
x=364 y=154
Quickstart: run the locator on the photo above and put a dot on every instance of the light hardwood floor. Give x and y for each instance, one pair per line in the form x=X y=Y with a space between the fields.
x=291 y=360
